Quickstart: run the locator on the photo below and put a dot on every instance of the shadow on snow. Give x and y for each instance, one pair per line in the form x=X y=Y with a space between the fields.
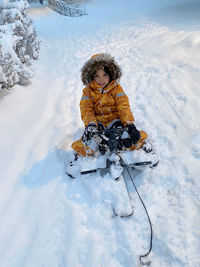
x=47 y=169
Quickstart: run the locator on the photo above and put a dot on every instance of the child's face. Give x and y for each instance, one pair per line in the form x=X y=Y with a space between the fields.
x=101 y=77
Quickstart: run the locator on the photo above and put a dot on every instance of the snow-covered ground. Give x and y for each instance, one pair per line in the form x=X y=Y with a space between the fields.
x=50 y=220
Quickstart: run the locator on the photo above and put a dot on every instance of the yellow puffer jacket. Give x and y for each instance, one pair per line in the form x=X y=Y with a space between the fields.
x=105 y=105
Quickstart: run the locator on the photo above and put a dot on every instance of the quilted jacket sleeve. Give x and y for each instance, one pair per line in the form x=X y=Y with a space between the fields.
x=122 y=105
x=86 y=107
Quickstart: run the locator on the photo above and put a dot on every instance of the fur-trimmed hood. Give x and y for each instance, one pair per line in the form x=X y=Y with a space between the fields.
x=100 y=61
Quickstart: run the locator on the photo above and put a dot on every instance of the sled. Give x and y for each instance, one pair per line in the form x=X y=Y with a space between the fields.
x=113 y=160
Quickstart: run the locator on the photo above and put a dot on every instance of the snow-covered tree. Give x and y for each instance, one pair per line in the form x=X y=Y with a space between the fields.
x=19 y=43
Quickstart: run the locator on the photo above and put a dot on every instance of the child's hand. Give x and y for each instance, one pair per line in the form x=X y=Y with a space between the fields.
x=134 y=133
x=90 y=130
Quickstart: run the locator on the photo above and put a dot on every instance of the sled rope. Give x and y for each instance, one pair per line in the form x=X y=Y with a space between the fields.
x=150 y=224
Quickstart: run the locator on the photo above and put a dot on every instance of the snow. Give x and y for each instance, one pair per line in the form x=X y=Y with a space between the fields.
x=50 y=220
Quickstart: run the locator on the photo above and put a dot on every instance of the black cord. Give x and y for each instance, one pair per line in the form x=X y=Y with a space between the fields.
x=150 y=224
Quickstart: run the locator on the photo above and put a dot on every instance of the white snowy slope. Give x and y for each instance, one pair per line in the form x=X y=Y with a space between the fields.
x=49 y=220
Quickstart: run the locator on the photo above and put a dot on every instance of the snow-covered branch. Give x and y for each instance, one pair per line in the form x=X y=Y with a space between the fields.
x=67 y=8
